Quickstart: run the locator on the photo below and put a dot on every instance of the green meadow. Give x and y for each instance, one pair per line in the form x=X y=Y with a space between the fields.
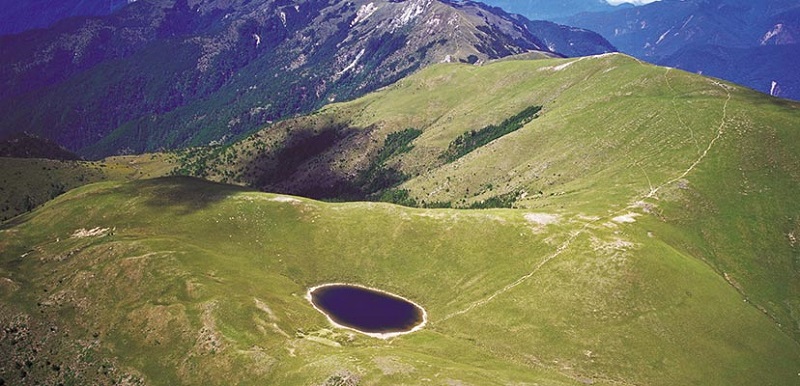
x=651 y=241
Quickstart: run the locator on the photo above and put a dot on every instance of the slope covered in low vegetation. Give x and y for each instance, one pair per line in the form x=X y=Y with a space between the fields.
x=26 y=183
x=198 y=282
x=652 y=240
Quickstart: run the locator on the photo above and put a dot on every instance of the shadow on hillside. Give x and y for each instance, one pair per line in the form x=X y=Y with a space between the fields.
x=183 y=195
x=303 y=165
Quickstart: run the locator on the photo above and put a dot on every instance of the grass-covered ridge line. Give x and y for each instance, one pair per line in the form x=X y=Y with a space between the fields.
x=473 y=139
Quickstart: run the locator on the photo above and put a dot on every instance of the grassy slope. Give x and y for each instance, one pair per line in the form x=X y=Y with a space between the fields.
x=26 y=183
x=615 y=135
x=607 y=117
x=700 y=288
x=604 y=117
x=253 y=249
x=178 y=288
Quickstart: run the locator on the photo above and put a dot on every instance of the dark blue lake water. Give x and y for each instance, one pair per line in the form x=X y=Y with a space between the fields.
x=366 y=310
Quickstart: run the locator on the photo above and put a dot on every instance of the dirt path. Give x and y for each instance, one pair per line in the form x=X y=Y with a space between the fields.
x=677 y=110
x=624 y=211
x=720 y=131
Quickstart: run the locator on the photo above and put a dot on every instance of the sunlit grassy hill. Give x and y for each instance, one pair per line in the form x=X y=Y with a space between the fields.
x=606 y=117
x=614 y=136
x=26 y=183
x=182 y=281
x=652 y=240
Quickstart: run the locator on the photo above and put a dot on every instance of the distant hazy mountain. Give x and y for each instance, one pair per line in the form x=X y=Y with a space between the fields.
x=167 y=73
x=551 y=10
x=22 y=15
x=569 y=41
x=660 y=29
x=724 y=38
x=771 y=69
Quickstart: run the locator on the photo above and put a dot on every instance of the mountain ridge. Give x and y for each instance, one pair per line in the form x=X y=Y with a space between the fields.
x=232 y=68
x=550 y=10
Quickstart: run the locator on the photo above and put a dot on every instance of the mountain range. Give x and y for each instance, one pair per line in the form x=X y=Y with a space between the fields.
x=748 y=42
x=554 y=10
x=164 y=74
x=661 y=29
